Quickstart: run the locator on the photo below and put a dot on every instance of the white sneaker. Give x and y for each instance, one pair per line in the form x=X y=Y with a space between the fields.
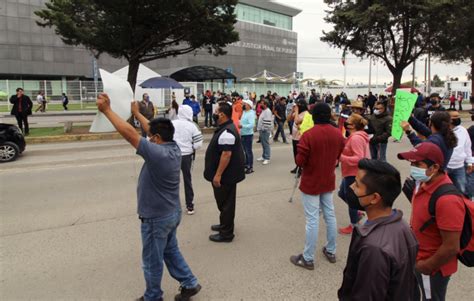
x=265 y=162
x=260 y=159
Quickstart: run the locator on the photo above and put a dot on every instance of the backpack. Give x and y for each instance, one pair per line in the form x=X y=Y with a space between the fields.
x=466 y=243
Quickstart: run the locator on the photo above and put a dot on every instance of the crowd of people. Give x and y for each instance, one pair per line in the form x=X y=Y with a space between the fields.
x=388 y=259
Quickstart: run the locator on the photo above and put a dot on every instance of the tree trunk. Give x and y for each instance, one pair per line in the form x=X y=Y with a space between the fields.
x=133 y=65
x=397 y=79
x=472 y=76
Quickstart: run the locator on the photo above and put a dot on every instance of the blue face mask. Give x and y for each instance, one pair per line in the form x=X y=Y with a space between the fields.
x=419 y=174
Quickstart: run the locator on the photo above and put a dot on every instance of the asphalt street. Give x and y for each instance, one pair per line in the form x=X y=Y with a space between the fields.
x=69 y=231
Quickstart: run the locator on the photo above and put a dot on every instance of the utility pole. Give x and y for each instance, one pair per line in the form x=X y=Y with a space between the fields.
x=426 y=83
x=429 y=72
x=370 y=73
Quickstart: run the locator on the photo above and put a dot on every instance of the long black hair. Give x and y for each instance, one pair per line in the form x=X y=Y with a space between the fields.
x=441 y=121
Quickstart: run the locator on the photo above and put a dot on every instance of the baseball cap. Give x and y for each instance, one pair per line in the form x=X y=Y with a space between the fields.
x=424 y=151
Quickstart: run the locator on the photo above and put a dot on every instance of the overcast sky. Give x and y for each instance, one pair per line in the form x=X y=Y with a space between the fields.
x=316 y=59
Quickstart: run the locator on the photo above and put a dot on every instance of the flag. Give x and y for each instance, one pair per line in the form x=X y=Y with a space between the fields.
x=343 y=59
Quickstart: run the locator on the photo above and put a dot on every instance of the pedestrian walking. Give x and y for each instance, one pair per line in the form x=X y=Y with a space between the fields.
x=39 y=100
x=146 y=109
x=356 y=149
x=22 y=106
x=280 y=118
x=379 y=266
x=191 y=101
x=371 y=100
x=380 y=125
x=247 y=125
x=208 y=101
x=173 y=109
x=438 y=240
x=158 y=201
x=224 y=168
x=237 y=110
x=289 y=110
x=452 y=102
x=65 y=101
x=189 y=139
x=264 y=128
x=318 y=151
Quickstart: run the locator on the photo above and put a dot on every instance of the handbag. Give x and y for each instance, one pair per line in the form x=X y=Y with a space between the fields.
x=409 y=187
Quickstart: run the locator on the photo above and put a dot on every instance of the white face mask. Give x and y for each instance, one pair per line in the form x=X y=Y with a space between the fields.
x=377 y=112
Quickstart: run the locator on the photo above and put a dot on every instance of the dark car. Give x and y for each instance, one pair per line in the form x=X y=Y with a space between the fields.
x=12 y=142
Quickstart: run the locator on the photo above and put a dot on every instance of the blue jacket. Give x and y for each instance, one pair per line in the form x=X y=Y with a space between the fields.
x=248 y=123
x=193 y=104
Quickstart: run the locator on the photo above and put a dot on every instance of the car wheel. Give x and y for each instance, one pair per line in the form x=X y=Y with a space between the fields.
x=8 y=151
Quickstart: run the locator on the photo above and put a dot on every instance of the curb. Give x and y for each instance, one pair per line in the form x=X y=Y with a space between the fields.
x=72 y=138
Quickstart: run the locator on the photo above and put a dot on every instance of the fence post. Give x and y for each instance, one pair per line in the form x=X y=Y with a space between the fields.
x=8 y=95
x=45 y=90
x=80 y=93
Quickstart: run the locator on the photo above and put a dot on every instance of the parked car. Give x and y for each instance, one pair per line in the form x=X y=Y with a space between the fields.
x=12 y=142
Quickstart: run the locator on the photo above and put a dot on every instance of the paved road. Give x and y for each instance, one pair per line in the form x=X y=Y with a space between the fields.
x=68 y=231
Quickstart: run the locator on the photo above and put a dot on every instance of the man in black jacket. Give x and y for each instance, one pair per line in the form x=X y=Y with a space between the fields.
x=382 y=254
x=22 y=106
x=224 y=168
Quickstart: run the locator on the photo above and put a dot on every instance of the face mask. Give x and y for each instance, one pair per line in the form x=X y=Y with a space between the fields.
x=419 y=174
x=354 y=201
x=456 y=121
x=433 y=102
x=377 y=112
x=215 y=117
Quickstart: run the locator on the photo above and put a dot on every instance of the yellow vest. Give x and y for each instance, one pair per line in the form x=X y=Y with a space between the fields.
x=307 y=123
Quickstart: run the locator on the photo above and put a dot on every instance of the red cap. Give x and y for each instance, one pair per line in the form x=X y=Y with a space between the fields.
x=424 y=151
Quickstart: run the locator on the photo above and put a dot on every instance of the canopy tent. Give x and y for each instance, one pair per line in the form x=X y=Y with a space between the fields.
x=403 y=87
x=266 y=76
x=199 y=74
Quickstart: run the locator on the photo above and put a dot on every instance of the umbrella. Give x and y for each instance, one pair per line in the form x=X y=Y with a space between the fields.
x=161 y=83
x=403 y=87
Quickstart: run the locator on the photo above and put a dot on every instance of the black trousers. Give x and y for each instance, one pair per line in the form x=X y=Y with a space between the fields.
x=22 y=120
x=225 y=199
x=186 y=164
x=438 y=287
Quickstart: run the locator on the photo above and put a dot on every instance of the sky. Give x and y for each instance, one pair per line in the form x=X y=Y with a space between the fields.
x=317 y=59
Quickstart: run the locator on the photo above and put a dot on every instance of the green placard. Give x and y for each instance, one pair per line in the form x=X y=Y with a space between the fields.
x=404 y=104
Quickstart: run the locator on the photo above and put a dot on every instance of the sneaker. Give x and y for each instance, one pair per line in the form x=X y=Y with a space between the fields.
x=293 y=171
x=249 y=171
x=190 y=210
x=266 y=162
x=329 y=256
x=346 y=231
x=186 y=293
x=260 y=159
x=298 y=260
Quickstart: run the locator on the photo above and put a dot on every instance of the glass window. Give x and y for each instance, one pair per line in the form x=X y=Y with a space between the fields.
x=261 y=16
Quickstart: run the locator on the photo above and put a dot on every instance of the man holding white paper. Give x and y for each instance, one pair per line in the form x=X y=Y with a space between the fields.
x=158 y=200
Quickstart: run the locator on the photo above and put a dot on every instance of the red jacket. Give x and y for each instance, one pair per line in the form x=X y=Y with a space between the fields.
x=318 y=151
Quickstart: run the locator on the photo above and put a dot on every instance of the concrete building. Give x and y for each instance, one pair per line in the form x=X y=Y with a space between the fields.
x=29 y=52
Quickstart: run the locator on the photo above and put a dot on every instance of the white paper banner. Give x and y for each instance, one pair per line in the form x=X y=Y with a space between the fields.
x=121 y=96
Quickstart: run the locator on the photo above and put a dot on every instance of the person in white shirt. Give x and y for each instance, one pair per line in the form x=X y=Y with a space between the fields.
x=461 y=161
x=41 y=102
x=189 y=139
x=264 y=127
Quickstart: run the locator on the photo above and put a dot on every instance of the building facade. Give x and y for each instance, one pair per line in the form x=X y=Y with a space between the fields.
x=30 y=52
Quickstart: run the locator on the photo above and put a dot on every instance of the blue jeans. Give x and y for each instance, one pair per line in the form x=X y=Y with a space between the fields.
x=470 y=186
x=160 y=244
x=208 y=118
x=247 y=144
x=343 y=191
x=458 y=176
x=265 y=140
x=280 y=130
x=311 y=205
x=378 y=151
x=290 y=126
x=336 y=106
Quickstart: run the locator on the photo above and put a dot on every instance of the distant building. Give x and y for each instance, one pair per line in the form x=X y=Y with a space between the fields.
x=29 y=52
x=456 y=87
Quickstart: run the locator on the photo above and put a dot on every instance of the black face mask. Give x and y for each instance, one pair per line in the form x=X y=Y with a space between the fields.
x=353 y=200
x=215 y=117
x=456 y=121
x=433 y=102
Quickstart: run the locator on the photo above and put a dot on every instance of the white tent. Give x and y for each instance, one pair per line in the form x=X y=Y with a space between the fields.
x=144 y=73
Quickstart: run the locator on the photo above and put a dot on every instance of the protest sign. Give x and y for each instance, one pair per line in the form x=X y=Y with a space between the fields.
x=404 y=103
x=121 y=96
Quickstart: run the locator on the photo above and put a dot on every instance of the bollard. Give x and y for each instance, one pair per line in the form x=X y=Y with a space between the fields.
x=67 y=127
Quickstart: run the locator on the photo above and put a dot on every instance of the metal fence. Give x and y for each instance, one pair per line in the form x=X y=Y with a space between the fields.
x=77 y=91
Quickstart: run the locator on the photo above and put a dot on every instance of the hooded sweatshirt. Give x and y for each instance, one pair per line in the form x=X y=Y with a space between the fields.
x=356 y=148
x=186 y=133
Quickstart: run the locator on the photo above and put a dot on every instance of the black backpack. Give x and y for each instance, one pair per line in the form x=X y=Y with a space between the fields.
x=466 y=253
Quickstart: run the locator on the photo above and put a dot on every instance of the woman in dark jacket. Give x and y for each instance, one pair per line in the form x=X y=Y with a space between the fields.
x=439 y=133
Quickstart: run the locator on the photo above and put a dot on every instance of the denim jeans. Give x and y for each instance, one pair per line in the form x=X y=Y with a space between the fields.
x=290 y=127
x=280 y=130
x=458 y=177
x=265 y=140
x=160 y=244
x=208 y=118
x=311 y=205
x=470 y=186
x=336 y=106
x=378 y=151
x=247 y=144
x=343 y=190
